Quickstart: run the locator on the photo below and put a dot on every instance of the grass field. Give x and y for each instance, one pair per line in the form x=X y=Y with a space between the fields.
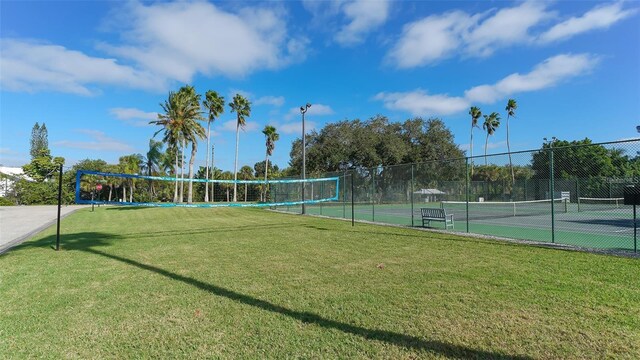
x=249 y=283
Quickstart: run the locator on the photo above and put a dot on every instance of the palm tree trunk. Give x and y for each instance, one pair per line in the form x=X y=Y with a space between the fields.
x=471 y=150
x=513 y=177
x=110 y=190
x=206 y=186
x=182 y=173
x=131 y=191
x=194 y=150
x=486 y=143
x=235 y=168
x=124 y=192
x=266 y=184
x=175 y=191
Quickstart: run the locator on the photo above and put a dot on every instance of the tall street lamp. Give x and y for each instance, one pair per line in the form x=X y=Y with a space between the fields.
x=303 y=110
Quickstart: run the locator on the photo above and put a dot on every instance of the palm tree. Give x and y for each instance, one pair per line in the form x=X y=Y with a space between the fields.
x=512 y=105
x=170 y=121
x=242 y=107
x=130 y=164
x=214 y=103
x=191 y=128
x=272 y=136
x=152 y=161
x=475 y=115
x=491 y=123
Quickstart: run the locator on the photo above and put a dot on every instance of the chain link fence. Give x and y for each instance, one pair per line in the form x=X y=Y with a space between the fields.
x=561 y=194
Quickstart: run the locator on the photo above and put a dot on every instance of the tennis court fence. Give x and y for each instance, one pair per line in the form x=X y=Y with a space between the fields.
x=561 y=194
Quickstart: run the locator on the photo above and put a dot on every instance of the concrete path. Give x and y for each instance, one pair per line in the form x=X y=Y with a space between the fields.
x=18 y=223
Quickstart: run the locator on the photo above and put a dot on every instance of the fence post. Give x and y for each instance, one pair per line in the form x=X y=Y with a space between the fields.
x=466 y=190
x=344 y=196
x=412 y=190
x=60 y=206
x=552 y=191
x=373 y=195
x=353 y=218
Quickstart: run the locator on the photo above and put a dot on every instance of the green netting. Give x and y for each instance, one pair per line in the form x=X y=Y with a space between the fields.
x=496 y=195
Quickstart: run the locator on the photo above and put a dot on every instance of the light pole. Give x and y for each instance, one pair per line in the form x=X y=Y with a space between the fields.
x=303 y=110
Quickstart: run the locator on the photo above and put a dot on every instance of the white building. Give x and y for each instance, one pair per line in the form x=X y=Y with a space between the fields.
x=6 y=182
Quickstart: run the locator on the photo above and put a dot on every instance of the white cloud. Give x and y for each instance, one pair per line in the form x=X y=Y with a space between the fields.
x=548 y=73
x=507 y=27
x=436 y=37
x=179 y=39
x=544 y=75
x=600 y=17
x=364 y=15
x=100 y=141
x=440 y=36
x=314 y=110
x=161 y=43
x=230 y=125
x=270 y=100
x=30 y=66
x=132 y=116
x=430 y=39
x=419 y=103
x=295 y=128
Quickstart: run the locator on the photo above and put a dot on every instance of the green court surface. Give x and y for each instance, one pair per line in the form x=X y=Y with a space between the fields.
x=602 y=229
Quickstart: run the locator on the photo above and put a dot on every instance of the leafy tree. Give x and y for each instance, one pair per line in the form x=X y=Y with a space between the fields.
x=512 y=105
x=259 y=169
x=376 y=142
x=475 y=115
x=39 y=140
x=271 y=137
x=491 y=124
x=214 y=103
x=43 y=166
x=242 y=107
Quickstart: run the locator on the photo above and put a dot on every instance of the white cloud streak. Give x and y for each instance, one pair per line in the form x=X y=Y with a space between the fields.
x=457 y=33
x=600 y=17
x=364 y=16
x=314 y=110
x=549 y=73
x=100 y=141
x=179 y=39
x=132 y=116
x=270 y=100
x=295 y=128
x=230 y=125
x=28 y=66
x=162 y=43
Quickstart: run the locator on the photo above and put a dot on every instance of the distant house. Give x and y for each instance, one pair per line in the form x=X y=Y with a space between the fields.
x=430 y=195
x=9 y=175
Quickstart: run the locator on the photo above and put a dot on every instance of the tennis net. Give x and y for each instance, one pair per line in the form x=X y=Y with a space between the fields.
x=502 y=209
x=599 y=204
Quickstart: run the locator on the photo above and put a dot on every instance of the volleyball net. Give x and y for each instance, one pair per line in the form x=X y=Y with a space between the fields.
x=95 y=187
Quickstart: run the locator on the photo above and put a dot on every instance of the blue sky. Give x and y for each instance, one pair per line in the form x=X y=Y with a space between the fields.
x=96 y=71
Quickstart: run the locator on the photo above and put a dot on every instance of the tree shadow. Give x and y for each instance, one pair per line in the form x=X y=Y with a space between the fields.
x=393 y=338
x=619 y=223
x=75 y=241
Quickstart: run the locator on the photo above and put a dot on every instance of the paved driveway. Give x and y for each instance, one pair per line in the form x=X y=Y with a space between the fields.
x=18 y=223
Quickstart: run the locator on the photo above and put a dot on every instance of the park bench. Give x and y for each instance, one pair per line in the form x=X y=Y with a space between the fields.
x=434 y=214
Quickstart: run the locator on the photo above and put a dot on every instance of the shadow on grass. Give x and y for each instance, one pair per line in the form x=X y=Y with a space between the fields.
x=75 y=241
x=402 y=340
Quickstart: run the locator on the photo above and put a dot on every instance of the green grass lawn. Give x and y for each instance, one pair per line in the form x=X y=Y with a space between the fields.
x=249 y=283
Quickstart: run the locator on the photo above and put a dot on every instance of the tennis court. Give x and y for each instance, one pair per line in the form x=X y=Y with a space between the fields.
x=594 y=226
